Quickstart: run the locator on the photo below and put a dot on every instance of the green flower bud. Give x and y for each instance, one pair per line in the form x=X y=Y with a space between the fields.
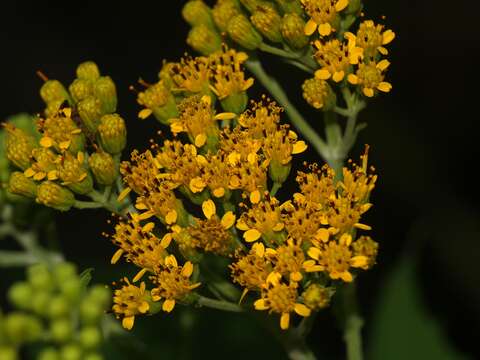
x=88 y=70
x=21 y=328
x=61 y=330
x=19 y=184
x=196 y=12
x=159 y=100
x=242 y=32
x=106 y=92
x=71 y=352
x=319 y=94
x=103 y=168
x=49 y=354
x=223 y=11
x=55 y=196
x=293 y=32
x=54 y=91
x=279 y=172
x=80 y=89
x=268 y=21
x=20 y=295
x=40 y=300
x=236 y=102
x=18 y=146
x=93 y=356
x=100 y=294
x=53 y=107
x=113 y=133
x=251 y=5
x=204 y=39
x=64 y=272
x=74 y=175
x=8 y=353
x=90 y=312
x=90 y=111
x=317 y=297
x=72 y=290
x=354 y=7
x=90 y=337
x=39 y=277
x=58 y=307
x=165 y=74
x=290 y=6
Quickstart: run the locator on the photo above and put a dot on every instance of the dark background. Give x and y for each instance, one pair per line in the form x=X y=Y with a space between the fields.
x=424 y=138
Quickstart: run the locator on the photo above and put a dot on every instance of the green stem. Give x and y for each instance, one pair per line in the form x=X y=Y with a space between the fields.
x=87 y=205
x=272 y=85
x=218 y=304
x=276 y=51
x=275 y=187
x=352 y=333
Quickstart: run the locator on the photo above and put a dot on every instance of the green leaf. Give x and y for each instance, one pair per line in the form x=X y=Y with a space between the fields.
x=86 y=277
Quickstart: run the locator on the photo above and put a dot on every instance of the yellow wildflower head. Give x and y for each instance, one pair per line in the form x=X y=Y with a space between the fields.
x=334 y=58
x=55 y=196
x=44 y=164
x=19 y=184
x=18 y=146
x=191 y=75
x=317 y=185
x=282 y=144
x=369 y=77
x=366 y=246
x=318 y=93
x=223 y=11
x=217 y=172
x=159 y=101
x=288 y=260
x=251 y=270
x=74 y=174
x=323 y=15
x=281 y=298
x=317 y=297
x=371 y=38
x=268 y=21
x=172 y=282
x=128 y=301
x=262 y=118
x=204 y=38
x=140 y=173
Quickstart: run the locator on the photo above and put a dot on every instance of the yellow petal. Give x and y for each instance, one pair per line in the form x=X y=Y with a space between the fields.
x=81 y=157
x=168 y=305
x=259 y=249
x=46 y=142
x=146 y=215
x=248 y=84
x=206 y=99
x=368 y=92
x=338 y=76
x=218 y=192
x=118 y=254
x=52 y=175
x=187 y=269
x=383 y=64
x=233 y=158
x=39 y=176
x=274 y=278
x=255 y=197
x=285 y=321
x=208 y=208
x=358 y=261
x=345 y=239
x=260 y=305
x=322 y=234
x=362 y=226
x=382 y=50
x=252 y=235
x=170 y=260
x=197 y=185
x=139 y=275
x=384 y=86
x=341 y=4
x=67 y=112
x=278 y=227
x=228 y=220
x=387 y=37
x=64 y=144
x=244 y=293
x=29 y=172
x=310 y=27
x=200 y=140
x=314 y=253
x=299 y=147
x=346 y=276
x=148 y=227
x=144 y=113
x=296 y=276
x=123 y=194
x=127 y=322
x=352 y=79
x=166 y=240
x=324 y=29
x=302 y=310
x=176 y=127
x=144 y=307
x=242 y=226
x=141 y=206
x=171 y=217
x=225 y=116
x=322 y=74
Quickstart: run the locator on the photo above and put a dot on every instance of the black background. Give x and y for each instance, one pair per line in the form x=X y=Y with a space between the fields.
x=424 y=135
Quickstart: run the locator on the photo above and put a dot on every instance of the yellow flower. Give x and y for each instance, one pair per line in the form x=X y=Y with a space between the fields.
x=158 y=100
x=369 y=77
x=191 y=75
x=371 y=38
x=335 y=258
x=18 y=146
x=318 y=93
x=172 y=282
x=129 y=301
x=366 y=246
x=73 y=173
x=282 y=299
x=262 y=118
x=317 y=297
x=323 y=15
x=288 y=260
x=317 y=186
x=44 y=165
x=335 y=59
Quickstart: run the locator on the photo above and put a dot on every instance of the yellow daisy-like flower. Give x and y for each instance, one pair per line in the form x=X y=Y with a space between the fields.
x=335 y=59
x=129 y=301
x=371 y=38
x=369 y=77
x=335 y=258
x=141 y=172
x=191 y=75
x=172 y=282
x=288 y=260
x=366 y=246
x=281 y=298
x=262 y=220
x=44 y=165
x=262 y=118
x=318 y=185
x=282 y=144
x=228 y=77
x=323 y=15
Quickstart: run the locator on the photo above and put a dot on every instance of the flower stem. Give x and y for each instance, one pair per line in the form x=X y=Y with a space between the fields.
x=272 y=85
x=352 y=332
x=218 y=304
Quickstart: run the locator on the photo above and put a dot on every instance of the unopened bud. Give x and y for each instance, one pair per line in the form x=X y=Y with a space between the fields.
x=72 y=289
x=90 y=312
x=39 y=277
x=18 y=146
x=19 y=184
x=8 y=353
x=242 y=32
x=279 y=172
x=49 y=353
x=159 y=100
x=74 y=175
x=196 y=12
x=290 y=6
x=204 y=39
x=21 y=328
x=223 y=11
x=80 y=89
x=317 y=297
x=55 y=196
x=20 y=295
x=106 y=91
x=71 y=352
x=293 y=32
x=236 y=102
x=103 y=168
x=61 y=330
x=53 y=91
x=113 y=133
x=90 y=110
x=318 y=94
x=64 y=271
x=93 y=356
x=58 y=307
x=251 y=5
x=354 y=7
x=90 y=337
x=267 y=20
x=100 y=294
x=88 y=70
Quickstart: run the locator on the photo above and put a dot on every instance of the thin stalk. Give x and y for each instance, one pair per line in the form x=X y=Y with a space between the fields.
x=353 y=323
x=218 y=304
x=275 y=187
x=87 y=205
x=277 y=51
x=272 y=85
